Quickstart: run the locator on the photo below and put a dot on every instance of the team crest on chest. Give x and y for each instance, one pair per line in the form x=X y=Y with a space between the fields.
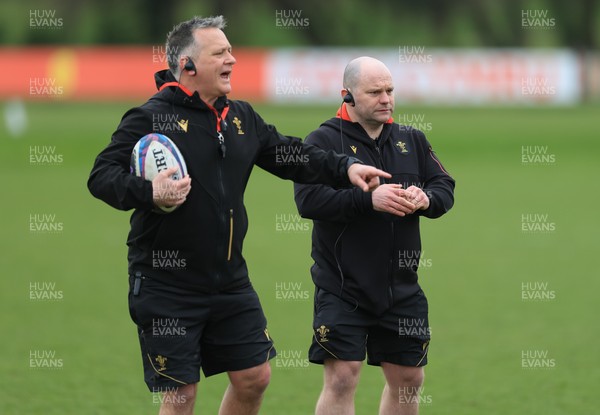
x=402 y=146
x=238 y=124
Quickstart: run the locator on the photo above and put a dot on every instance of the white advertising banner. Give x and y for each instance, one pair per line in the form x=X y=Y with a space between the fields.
x=436 y=76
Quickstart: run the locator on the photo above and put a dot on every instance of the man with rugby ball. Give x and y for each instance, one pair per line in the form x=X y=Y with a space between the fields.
x=200 y=311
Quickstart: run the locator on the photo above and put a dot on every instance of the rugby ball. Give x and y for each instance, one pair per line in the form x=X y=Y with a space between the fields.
x=154 y=153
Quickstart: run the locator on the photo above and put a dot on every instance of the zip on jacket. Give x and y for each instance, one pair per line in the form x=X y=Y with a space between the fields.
x=221 y=144
x=357 y=251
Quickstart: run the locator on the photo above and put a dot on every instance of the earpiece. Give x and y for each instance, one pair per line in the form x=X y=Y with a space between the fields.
x=190 y=66
x=348 y=98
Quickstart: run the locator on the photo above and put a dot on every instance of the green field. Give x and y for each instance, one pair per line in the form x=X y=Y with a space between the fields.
x=480 y=258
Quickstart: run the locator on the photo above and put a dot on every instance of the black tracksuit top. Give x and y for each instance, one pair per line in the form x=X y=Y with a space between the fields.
x=378 y=252
x=206 y=232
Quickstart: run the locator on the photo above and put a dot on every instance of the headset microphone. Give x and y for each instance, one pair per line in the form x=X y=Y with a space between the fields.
x=348 y=98
x=190 y=66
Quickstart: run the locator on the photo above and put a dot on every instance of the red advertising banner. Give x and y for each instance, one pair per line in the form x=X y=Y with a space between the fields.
x=308 y=75
x=106 y=73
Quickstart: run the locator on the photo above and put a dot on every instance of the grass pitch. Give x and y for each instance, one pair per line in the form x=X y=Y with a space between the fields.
x=511 y=277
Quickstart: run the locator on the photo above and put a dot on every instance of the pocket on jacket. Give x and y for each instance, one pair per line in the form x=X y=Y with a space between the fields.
x=130 y=300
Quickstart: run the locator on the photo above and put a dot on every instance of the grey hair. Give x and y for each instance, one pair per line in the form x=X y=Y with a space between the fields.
x=180 y=40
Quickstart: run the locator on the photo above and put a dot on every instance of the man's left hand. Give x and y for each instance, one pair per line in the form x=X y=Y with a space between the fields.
x=417 y=197
x=366 y=177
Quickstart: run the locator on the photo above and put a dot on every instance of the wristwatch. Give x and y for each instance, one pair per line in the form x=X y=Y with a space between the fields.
x=351 y=161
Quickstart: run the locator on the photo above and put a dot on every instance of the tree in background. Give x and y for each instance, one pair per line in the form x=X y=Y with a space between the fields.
x=438 y=23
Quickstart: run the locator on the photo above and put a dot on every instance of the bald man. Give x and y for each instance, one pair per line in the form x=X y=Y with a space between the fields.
x=366 y=248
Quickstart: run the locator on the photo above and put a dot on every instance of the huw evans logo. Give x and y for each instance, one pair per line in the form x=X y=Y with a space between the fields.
x=291 y=222
x=408 y=122
x=44 y=359
x=290 y=291
x=291 y=19
x=290 y=86
x=414 y=395
x=291 y=359
x=44 y=19
x=168 y=327
x=536 y=291
x=537 y=155
x=413 y=54
x=537 y=223
x=537 y=86
x=160 y=53
x=44 y=156
x=413 y=259
x=45 y=87
x=537 y=359
x=44 y=290
x=290 y=155
x=44 y=223
x=168 y=260
x=414 y=327
x=168 y=395
x=168 y=123
x=537 y=19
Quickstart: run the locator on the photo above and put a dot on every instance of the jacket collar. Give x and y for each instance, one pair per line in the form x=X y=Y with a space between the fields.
x=178 y=94
x=343 y=114
x=354 y=130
